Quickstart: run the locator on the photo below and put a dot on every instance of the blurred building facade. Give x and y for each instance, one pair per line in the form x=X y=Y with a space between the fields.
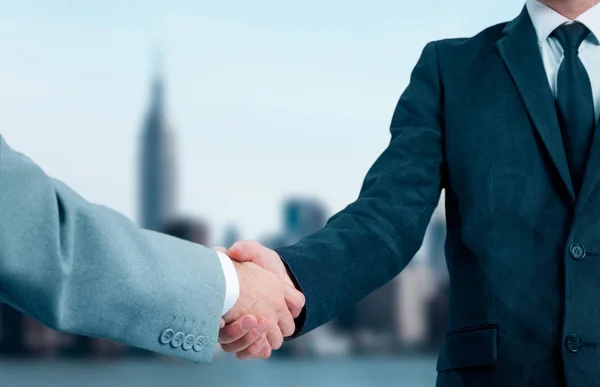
x=436 y=239
x=230 y=236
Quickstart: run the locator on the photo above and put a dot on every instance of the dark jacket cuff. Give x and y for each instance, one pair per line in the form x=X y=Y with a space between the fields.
x=301 y=319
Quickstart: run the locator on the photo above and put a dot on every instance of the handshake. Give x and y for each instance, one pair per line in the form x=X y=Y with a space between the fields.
x=267 y=305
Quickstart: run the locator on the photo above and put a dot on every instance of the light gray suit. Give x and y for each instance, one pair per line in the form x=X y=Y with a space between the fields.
x=82 y=268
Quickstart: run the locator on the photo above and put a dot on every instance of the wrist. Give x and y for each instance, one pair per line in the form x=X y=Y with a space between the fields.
x=288 y=276
x=232 y=282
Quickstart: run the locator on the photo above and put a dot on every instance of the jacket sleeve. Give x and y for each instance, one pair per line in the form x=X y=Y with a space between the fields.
x=82 y=268
x=369 y=242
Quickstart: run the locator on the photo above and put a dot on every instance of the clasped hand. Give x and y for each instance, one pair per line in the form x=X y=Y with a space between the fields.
x=267 y=305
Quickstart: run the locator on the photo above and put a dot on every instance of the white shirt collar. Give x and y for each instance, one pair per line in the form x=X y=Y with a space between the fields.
x=545 y=19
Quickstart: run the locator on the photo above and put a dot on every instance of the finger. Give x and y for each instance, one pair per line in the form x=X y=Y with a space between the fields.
x=294 y=300
x=266 y=351
x=275 y=338
x=247 y=340
x=286 y=324
x=244 y=251
x=221 y=249
x=253 y=351
x=237 y=329
x=222 y=325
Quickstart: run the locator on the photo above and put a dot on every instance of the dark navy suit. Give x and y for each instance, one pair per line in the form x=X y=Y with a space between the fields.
x=478 y=120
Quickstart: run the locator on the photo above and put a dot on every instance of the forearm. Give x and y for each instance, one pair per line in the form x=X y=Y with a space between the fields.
x=352 y=256
x=85 y=269
x=374 y=238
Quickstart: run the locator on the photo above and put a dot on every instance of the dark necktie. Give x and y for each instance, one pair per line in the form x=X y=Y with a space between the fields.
x=575 y=101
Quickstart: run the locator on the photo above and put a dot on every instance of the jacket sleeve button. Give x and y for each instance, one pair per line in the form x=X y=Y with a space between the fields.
x=166 y=336
x=199 y=343
x=188 y=342
x=177 y=339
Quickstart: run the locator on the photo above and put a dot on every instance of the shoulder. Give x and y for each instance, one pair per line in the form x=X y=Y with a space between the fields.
x=464 y=48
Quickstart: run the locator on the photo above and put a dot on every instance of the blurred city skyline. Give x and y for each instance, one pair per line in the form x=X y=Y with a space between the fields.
x=266 y=99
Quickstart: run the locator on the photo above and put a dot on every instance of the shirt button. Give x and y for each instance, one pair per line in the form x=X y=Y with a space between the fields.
x=167 y=336
x=577 y=251
x=177 y=339
x=188 y=342
x=573 y=343
x=199 y=344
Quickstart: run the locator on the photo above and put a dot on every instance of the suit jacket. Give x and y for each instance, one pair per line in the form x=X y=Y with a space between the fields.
x=478 y=120
x=82 y=268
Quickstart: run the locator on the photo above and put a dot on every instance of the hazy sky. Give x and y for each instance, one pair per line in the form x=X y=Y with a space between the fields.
x=267 y=98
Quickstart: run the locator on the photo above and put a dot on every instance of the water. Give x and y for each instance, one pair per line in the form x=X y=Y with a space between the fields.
x=367 y=372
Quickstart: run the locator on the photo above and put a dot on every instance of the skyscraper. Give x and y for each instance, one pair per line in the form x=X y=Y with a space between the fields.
x=157 y=169
x=303 y=216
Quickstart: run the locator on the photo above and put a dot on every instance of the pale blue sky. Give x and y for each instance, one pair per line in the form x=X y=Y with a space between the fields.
x=266 y=98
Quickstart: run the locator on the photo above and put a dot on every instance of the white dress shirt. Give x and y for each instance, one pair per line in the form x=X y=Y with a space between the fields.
x=545 y=21
x=232 y=284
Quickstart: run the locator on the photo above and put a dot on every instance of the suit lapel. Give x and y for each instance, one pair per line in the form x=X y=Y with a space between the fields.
x=521 y=54
x=592 y=171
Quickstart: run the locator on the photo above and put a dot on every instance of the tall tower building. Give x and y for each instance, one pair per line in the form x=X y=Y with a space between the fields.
x=157 y=169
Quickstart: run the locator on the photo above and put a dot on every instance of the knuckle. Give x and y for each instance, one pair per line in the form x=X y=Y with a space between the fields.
x=254 y=350
x=301 y=299
x=251 y=338
x=253 y=243
x=289 y=329
x=265 y=353
x=268 y=352
x=278 y=342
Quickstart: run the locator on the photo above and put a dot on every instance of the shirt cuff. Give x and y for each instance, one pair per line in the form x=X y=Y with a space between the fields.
x=232 y=284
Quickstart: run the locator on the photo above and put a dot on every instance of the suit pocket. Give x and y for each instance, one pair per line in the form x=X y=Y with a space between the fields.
x=470 y=347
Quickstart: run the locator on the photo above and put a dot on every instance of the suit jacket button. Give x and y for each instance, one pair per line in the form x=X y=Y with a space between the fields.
x=166 y=336
x=577 y=251
x=199 y=344
x=573 y=342
x=177 y=339
x=188 y=342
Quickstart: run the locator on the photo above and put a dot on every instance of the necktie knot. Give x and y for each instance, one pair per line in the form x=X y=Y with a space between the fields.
x=570 y=36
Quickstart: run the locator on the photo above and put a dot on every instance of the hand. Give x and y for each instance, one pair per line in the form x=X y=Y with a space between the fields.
x=241 y=335
x=270 y=260
x=252 y=251
x=261 y=294
x=248 y=336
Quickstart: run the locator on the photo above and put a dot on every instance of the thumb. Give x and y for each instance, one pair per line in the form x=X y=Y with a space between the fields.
x=244 y=251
